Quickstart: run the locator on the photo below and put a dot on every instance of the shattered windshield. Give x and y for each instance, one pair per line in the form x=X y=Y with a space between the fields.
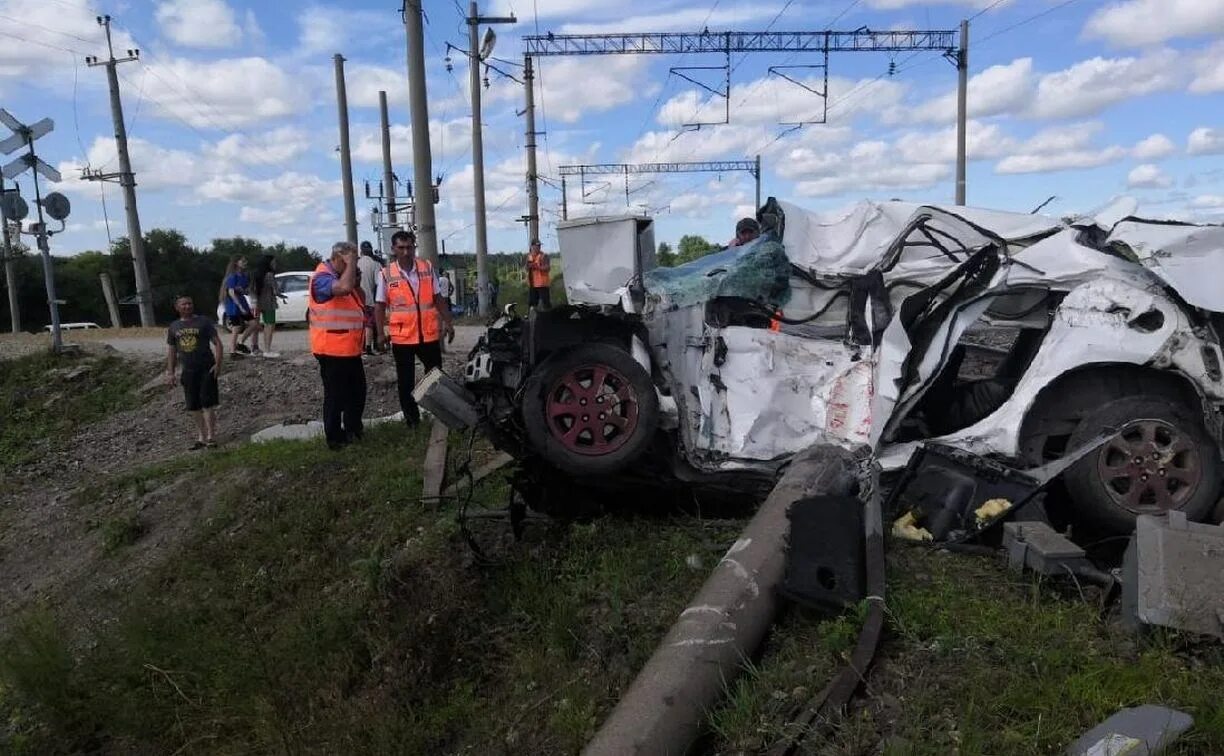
x=759 y=271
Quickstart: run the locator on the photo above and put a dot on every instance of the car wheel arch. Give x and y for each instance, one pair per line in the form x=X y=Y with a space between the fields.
x=1058 y=407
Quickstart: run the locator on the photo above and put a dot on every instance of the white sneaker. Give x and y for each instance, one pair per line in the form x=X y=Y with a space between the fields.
x=271 y=354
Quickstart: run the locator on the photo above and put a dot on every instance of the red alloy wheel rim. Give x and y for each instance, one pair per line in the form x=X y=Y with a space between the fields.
x=592 y=410
x=1150 y=467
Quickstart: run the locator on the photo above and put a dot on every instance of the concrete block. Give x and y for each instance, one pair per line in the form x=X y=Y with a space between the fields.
x=447 y=400
x=1179 y=574
x=1038 y=547
x=1140 y=731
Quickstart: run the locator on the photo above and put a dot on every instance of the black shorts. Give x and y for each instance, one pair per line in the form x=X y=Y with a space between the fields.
x=539 y=296
x=239 y=320
x=199 y=388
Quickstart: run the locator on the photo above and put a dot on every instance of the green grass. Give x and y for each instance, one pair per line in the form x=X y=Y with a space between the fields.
x=327 y=610
x=976 y=660
x=41 y=405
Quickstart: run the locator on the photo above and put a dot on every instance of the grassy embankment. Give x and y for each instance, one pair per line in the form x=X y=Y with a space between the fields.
x=44 y=397
x=321 y=607
x=976 y=660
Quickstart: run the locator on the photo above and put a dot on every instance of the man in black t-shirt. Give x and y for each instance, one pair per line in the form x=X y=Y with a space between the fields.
x=189 y=339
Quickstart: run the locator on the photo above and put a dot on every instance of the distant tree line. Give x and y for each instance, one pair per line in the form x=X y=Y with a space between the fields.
x=689 y=248
x=175 y=267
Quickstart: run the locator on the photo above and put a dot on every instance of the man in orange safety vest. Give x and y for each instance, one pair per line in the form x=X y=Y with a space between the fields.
x=538 y=278
x=337 y=327
x=410 y=305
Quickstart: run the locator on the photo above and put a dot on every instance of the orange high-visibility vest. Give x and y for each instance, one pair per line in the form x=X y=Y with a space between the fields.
x=337 y=326
x=539 y=274
x=414 y=317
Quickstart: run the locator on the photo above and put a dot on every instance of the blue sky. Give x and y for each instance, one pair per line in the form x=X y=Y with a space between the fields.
x=232 y=117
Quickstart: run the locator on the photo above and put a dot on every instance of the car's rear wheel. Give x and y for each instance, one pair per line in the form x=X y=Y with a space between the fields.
x=1161 y=460
x=590 y=410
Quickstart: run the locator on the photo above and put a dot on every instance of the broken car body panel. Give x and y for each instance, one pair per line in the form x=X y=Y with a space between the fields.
x=858 y=345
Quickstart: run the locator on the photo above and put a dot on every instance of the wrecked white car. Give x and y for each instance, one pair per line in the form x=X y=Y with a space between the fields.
x=1014 y=337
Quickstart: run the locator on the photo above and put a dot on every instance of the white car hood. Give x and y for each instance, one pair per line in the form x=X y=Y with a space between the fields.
x=1187 y=257
x=855 y=242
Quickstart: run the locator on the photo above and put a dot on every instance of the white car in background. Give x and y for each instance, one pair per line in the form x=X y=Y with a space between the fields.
x=293 y=287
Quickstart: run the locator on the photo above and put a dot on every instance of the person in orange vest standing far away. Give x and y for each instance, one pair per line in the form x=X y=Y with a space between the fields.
x=409 y=302
x=538 y=278
x=337 y=327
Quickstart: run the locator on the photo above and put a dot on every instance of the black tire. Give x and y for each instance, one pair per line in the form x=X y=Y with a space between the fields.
x=601 y=377
x=1161 y=460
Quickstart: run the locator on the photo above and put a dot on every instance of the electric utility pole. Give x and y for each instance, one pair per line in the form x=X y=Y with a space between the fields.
x=346 y=159
x=475 y=57
x=144 y=291
x=422 y=161
x=388 y=174
x=533 y=180
x=10 y=268
x=725 y=43
x=962 y=110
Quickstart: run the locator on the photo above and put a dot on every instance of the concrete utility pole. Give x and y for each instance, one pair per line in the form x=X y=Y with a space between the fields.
x=388 y=174
x=962 y=110
x=533 y=178
x=112 y=304
x=475 y=56
x=422 y=161
x=346 y=159
x=10 y=270
x=144 y=291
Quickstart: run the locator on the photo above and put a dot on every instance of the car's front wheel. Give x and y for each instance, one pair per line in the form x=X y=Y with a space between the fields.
x=590 y=410
x=1161 y=460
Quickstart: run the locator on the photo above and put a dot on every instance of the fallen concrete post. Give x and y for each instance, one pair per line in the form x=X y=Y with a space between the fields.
x=662 y=711
x=480 y=473
x=435 y=461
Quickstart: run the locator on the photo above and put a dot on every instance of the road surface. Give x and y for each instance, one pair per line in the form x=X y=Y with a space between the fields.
x=287 y=342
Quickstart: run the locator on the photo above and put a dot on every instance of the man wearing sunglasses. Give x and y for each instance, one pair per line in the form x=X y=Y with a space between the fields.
x=410 y=305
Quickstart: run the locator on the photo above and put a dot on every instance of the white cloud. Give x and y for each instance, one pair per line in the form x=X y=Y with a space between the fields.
x=899 y=4
x=1154 y=147
x=1147 y=176
x=1092 y=85
x=297 y=195
x=574 y=87
x=867 y=167
x=1209 y=70
x=1062 y=161
x=274 y=147
x=334 y=29
x=1208 y=202
x=448 y=138
x=224 y=94
x=683 y=19
x=549 y=8
x=982 y=141
x=155 y=167
x=265 y=217
x=199 y=23
x=1205 y=141
x=1136 y=23
x=772 y=100
x=1060 y=148
x=43 y=53
x=998 y=89
x=362 y=83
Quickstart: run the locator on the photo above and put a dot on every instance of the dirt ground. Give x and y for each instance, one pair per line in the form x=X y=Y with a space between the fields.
x=53 y=532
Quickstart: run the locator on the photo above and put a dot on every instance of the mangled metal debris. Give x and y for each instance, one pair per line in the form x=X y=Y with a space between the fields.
x=1173 y=575
x=859 y=329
